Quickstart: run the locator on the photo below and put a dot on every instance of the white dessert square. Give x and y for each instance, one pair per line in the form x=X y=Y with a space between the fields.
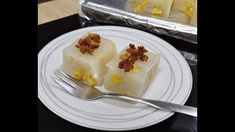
x=88 y=64
x=135 y=81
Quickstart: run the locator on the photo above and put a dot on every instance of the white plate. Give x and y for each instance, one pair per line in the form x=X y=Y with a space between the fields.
x=173 y=83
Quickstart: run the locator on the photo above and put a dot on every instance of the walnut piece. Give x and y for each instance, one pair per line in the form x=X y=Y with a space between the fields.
x=132 y=54
x=89 y=43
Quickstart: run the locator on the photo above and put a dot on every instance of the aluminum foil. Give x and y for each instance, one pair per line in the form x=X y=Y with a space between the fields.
x=113 y=12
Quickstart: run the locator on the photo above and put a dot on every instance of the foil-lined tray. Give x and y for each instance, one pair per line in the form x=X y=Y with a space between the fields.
x=114 y=12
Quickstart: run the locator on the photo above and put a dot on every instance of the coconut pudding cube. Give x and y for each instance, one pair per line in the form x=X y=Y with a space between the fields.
x=131 y=71
x=86 y=58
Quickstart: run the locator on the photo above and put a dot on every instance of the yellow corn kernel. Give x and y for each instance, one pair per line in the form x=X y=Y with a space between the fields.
x=138 y=8
x=135 y=70
x=116 y=79
x=188 y=5
x=187 y=12
x=188 y=9
x=91 y=82
x=87 y=77
x=157 y=11
x=78 y=75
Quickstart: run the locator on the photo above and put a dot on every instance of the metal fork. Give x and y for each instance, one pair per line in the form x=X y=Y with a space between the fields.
x=83 y=91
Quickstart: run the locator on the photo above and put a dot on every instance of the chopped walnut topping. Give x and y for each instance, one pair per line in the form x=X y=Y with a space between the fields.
x=132 y=54
x=144 y=58
x=89 y=43
x=124 y=56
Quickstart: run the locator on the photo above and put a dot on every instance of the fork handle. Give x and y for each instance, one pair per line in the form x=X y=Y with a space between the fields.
x=188 y=110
